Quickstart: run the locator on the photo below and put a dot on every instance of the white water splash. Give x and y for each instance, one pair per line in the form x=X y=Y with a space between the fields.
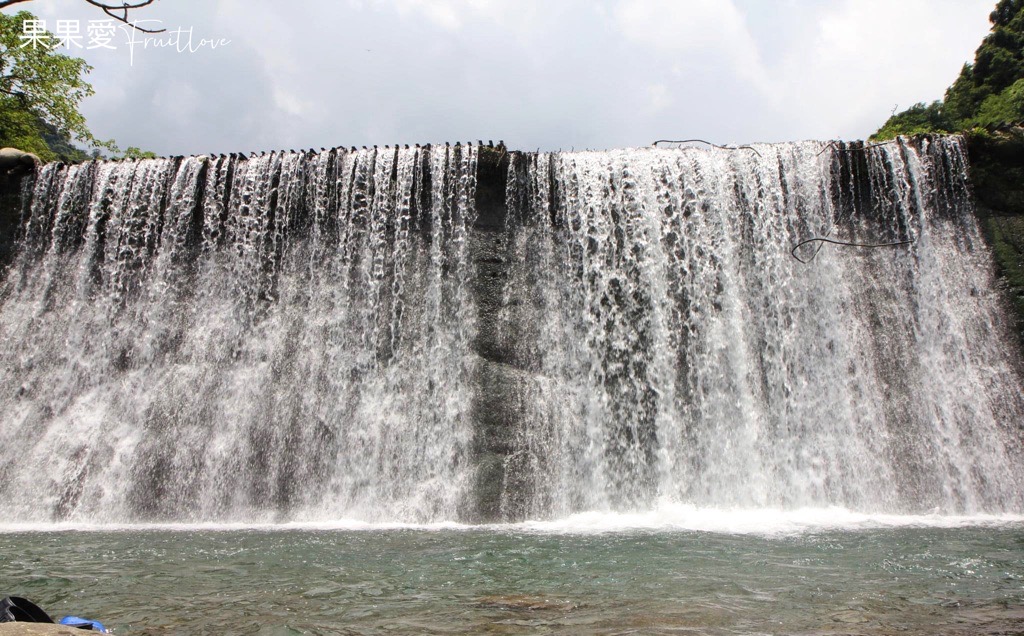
x=664 y=517
x=288 y=339
x=683 y=353
x=296 y=345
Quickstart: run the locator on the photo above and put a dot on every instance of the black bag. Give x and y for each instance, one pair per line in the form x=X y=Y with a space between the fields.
x=15 y=609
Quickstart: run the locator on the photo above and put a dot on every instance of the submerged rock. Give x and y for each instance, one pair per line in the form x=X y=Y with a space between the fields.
x=525 y=602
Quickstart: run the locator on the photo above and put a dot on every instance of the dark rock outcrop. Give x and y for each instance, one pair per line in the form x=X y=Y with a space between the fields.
x=14 y=161
x=997 y=176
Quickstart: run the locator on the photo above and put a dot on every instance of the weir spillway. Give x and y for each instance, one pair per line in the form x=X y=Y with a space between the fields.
x=471 y=334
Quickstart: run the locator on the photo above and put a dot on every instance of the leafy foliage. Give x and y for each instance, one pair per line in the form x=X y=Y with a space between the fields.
x=40 y=93
x=44 y=82
x=1007 y=106
x=918 y=119
x=20 y=128
x=988 y=92
x=135 y=153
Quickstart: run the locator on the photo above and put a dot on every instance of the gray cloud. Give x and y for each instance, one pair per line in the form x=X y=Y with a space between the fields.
x=573 y=73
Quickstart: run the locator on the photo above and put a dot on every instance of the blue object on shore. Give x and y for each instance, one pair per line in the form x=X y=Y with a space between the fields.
x=83 y=623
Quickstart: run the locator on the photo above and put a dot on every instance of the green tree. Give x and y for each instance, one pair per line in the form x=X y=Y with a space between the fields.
x=135 y=153
x=918 y=119
x=40 y=94
x=21 y=129
x=41 y=82
x=987 y=93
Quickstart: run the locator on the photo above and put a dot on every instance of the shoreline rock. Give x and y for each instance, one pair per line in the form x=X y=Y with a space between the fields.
x=39 y=629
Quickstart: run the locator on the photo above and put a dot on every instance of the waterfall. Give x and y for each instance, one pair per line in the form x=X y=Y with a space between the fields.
x=342 y=334
x=224 y=338
x=681 y=353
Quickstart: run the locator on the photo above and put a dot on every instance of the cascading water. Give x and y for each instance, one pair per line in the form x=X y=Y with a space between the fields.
x=299 y=336
x=682 y=354
x=241 y=339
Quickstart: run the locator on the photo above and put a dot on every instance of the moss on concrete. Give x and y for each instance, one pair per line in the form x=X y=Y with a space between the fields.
x=997 y=177
x=10 y=215
x=997 y=170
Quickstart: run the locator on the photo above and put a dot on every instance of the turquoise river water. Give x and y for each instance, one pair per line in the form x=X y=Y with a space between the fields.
x=714 y=573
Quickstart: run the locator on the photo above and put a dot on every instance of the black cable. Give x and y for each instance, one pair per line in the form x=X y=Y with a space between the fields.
x=825 y=239
x=845 y=243
x=689 y=141
x=864 y=147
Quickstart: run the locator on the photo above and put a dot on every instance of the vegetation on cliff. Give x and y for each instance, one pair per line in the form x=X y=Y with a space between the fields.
x=997 y=176
x=986 y=102
x=987 y=94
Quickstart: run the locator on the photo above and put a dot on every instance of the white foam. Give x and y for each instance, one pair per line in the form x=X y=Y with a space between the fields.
x=667 y=517
x=340 y=525
x=759 y=521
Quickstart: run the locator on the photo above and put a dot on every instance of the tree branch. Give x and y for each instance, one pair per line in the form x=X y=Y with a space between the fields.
x=107 y=8
x=125 y=7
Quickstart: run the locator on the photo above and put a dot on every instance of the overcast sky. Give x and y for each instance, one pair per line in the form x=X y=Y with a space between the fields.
x=543 y=74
